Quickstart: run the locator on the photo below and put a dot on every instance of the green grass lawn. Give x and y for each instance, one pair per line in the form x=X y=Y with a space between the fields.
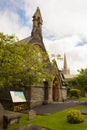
x=79 y=99
x=56 y=121
x=83 y=98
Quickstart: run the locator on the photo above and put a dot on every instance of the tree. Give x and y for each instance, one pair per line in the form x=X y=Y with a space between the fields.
x=81 y=80
x=7 y=59
x=22 y=64
x=71 y=84
x=35 y=64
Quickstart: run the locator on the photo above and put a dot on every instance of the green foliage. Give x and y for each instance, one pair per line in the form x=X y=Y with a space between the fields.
x=71 y=83
x=81 y=80
x=74 y=116
x=22 y=64
x=57 y=56
x=75 y=93
x=5 y=39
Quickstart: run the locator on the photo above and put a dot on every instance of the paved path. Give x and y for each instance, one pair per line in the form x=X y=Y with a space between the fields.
x=57 y=106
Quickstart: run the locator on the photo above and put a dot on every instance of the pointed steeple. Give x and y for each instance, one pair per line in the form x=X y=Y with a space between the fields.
x=37 y=25
x=36 y=34
x=65 y=62
x=65 y=69
x=37 y=18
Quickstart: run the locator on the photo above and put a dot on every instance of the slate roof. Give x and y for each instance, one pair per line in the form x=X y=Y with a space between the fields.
x=26 y=40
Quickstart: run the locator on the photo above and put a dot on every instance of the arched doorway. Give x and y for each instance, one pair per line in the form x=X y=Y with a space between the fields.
x=55 y=90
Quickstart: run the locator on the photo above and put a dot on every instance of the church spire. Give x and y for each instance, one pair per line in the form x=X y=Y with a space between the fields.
x=65 y=69
x=65 y=62
x=37 y=25
x=37 y=18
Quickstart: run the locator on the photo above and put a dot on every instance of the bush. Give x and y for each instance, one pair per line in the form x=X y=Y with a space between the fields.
x=75 y=93
x=74 y=116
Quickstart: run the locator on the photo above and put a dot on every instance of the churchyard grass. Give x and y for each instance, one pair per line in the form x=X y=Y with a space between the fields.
x=83 y=98
x=56 y=121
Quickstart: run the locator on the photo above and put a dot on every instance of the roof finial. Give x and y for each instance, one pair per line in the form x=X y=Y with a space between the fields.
x=37 y=7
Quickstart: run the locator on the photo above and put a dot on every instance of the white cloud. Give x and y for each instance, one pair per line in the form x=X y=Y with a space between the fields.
x=76 y=55
x=11 y=24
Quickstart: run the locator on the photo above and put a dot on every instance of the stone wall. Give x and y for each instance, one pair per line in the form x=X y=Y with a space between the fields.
x=50 y=92
x=64 y=93
x=37 y=96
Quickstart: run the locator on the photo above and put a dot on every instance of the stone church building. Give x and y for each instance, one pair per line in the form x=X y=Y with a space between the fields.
x=49 y=91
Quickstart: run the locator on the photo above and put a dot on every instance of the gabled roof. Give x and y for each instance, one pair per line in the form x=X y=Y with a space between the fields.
x=29 y=40
x=26 y=40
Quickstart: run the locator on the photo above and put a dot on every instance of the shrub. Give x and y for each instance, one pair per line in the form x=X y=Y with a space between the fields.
x=75 y=93
x=74 y=116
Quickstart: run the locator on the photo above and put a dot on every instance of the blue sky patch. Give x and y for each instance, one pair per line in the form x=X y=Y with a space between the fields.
x=17 y=8
x=50 y=37
x=82 y=43
x=4 y=4
x=22 y=16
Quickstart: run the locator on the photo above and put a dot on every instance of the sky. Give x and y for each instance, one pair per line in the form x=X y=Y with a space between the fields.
x=64 y=26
